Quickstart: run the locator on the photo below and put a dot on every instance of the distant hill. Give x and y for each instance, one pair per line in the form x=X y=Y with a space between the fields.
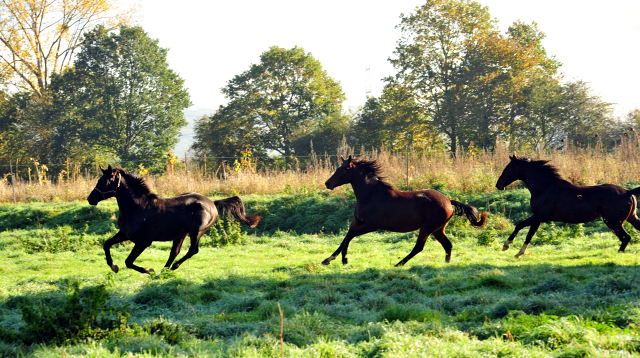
x=186 y=133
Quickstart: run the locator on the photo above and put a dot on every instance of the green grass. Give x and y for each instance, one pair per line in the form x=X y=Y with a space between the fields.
x=571 y=295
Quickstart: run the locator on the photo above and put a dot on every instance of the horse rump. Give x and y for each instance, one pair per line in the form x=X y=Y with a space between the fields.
x=234 y=208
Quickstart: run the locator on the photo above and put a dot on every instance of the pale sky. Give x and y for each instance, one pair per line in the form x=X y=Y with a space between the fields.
x=211 y=41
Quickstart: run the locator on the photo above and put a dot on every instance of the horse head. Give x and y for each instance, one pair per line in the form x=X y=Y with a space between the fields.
x=510 y=173
x=343 y=175
x=106 y=187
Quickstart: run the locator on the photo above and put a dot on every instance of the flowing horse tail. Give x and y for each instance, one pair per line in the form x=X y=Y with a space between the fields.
x=475 y=218
x=234 y=207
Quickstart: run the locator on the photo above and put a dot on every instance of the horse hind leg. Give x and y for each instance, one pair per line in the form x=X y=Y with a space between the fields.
x=137 y=250
x=419 y=246
x=193 y=248
x=175 y=250
x=621 y=233
x=445 y=242
x=633 y=220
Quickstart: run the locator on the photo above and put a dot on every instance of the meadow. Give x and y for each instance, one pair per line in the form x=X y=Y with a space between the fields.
x=263 y=292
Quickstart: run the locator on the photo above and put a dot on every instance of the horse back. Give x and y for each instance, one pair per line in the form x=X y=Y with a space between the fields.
x=579 y=204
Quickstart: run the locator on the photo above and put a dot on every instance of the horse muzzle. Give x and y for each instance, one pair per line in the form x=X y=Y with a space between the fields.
x=329 y=186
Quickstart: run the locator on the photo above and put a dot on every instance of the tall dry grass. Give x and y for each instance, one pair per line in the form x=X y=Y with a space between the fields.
x=468 y=172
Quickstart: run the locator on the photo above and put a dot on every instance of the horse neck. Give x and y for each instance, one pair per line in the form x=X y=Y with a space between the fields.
x=362 y=188
x=128 y=198
x=537 y=183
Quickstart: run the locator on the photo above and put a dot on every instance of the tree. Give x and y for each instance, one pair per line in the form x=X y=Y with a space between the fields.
x=430 y=58
x=466 y=77
x=585 y=115
x=120 y=97
x=40 y=37
x=226 y=133
x=286 y=91
x=27 y=126
x=324 y=136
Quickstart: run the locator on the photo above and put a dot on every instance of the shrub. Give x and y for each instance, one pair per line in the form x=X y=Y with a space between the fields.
x=82 y=315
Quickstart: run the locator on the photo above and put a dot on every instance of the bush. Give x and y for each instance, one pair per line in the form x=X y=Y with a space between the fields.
x=224 y=232
x=82 y=315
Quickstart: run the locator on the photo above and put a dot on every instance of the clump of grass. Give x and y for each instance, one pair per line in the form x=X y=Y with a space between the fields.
x=82 y=315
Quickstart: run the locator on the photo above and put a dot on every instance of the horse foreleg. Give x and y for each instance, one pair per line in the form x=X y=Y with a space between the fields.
x=116 y=239
x=532 y=231
x=175 y=250
x=137 y=250
x=354 y=230
x=521 y=225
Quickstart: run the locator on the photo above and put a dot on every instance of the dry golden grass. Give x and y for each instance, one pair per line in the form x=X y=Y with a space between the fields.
x=469 y=172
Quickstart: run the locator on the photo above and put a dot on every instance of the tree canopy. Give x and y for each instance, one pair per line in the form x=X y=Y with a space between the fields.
x=465 y=76
x=40 y=37
x=271 y=103
x=121 y=97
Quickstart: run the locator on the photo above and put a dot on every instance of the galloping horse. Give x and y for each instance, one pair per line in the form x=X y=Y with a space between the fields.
x=145 y=217
x=379 y=206
x=555 y=199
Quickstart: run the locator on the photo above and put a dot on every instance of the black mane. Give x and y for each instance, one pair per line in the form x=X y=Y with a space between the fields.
x=541 y=165
x=372 y=170
x=135 y=183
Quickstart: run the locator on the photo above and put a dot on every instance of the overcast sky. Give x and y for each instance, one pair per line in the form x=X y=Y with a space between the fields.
x=211 y=41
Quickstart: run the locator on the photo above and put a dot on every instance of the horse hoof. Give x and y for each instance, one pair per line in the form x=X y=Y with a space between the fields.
x=505 y=248
x=114 y=268
x=345 y=261
x=150 y=271
x=326 y=262
x=175 y=267
x=518 y=255
x=447 y=258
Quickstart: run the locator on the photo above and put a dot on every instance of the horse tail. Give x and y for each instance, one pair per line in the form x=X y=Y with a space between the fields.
x=635 y=191
x=233 y=207
x=475 y=218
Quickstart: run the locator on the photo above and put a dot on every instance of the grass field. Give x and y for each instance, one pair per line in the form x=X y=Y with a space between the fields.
x=571 y=295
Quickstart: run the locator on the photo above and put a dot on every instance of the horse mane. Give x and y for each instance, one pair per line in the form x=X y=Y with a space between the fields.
x=135 y=183
x=542 y=166
x=372 y=170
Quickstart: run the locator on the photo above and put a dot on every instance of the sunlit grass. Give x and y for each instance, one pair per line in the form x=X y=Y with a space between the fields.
x=572 y=294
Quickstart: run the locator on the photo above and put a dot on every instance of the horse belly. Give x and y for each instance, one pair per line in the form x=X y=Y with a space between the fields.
x=402 y=221
x=575 y=213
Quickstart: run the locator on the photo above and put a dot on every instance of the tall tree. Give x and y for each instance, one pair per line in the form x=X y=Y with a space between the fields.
x=287 y=90
x=40 y=37
x=121 y=97
x=466 y=76
x=430 y=58
x=584 y=114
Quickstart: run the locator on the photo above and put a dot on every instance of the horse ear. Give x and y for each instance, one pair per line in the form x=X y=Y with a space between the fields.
x=513 y=157
x=109 y=169
x=350 y=158
x=341 y=157
x=103 y=170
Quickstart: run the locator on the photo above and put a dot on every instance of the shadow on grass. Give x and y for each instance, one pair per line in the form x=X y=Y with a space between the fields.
x=354 y=306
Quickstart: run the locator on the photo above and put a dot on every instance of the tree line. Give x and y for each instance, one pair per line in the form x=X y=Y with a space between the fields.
x=95 y=88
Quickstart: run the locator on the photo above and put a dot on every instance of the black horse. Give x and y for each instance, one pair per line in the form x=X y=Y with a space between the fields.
x=379 y=206
x=555 y=199
x=145 y=217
